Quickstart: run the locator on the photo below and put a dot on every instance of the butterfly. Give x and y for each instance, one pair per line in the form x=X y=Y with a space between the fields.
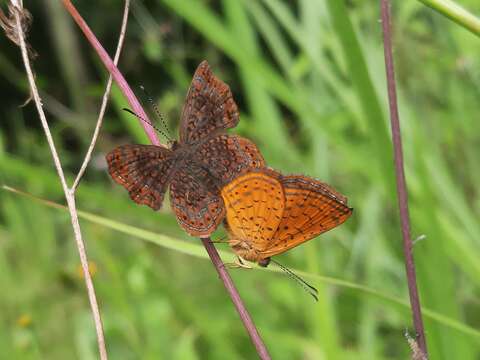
x=197 y=165
x=269 y=213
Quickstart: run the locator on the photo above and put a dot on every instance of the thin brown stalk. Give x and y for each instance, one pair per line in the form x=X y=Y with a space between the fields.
x=237 y=301
x=401 y=183
x=106 y=95
x=113 y=70
x=16 y=13
x=211 y=250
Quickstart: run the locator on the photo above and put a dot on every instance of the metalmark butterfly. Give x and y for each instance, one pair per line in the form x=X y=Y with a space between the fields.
x=197 y=165
x=268 y=213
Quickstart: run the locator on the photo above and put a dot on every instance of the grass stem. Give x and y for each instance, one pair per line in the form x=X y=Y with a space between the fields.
x=237 y=301
x=212 y=252
x=400 y=176
x=456 y=13
x=18 y=14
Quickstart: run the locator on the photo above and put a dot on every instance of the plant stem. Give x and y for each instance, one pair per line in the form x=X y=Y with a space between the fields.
x=456 y=13
x=400 y=176
x=113 y=70
x=237 y=301
x=212 y=251
x=106 y=95
x=17 y=11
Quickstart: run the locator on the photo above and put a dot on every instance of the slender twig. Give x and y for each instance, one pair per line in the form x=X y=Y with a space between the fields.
x=113 y=70
x=211 y=250
x=106 y=95
x=237 y=301
x=17 y=12
x=400 y=176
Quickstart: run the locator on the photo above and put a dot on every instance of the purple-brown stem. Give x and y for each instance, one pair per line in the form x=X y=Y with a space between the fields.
x=237 y=301
x=113 y=70
x=400 y=176
x=211 y=250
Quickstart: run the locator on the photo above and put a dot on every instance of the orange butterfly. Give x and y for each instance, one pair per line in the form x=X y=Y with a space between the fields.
x=268 y=213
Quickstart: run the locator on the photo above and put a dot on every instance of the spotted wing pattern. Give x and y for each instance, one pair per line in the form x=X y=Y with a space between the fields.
x=255 y=203
x=311 y=208
x=195 y=199
x=144 y=170
x=204 y=159
x=228 y=156
x=209 y=106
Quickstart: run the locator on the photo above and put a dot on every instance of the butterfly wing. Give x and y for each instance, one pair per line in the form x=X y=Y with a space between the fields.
x=195 y=199
x=144 y=170
x=255 y=203
x=209 y=106
x=228 y=156
x=311 y=208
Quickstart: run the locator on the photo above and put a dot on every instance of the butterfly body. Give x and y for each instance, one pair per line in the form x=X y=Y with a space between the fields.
x=268 y=213
x=245 y=251
x=195 y=167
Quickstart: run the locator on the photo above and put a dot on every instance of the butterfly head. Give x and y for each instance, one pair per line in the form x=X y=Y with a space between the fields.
x=264 y=262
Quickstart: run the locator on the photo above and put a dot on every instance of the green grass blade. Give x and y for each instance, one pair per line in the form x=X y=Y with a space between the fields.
x=455 y=12
x=198 y=251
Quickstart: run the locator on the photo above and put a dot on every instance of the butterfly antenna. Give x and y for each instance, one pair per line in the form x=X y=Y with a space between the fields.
x=148 y=122
x=306 y=286
x=157 y=111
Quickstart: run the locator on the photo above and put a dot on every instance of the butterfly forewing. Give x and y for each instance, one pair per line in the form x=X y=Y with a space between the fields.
x=311 y=209
x=255 y=204
x=144 y=170
x=209 y=107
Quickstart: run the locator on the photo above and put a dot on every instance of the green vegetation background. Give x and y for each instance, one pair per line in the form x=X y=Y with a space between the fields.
x=309 y=79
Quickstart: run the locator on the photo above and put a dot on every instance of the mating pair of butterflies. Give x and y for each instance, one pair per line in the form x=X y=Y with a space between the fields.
x=214 y=175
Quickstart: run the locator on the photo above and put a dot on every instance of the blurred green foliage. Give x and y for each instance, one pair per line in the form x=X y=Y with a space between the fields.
x=309 y=79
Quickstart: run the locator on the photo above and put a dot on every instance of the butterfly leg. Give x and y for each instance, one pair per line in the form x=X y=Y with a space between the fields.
x=241 y=263
x=238 y=263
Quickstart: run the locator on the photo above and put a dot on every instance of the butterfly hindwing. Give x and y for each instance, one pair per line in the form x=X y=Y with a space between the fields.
x=255 y=204
x=195 y=199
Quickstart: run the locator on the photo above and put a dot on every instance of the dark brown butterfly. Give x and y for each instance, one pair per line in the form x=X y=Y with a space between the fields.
x=269 y=213
x=197 y=165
